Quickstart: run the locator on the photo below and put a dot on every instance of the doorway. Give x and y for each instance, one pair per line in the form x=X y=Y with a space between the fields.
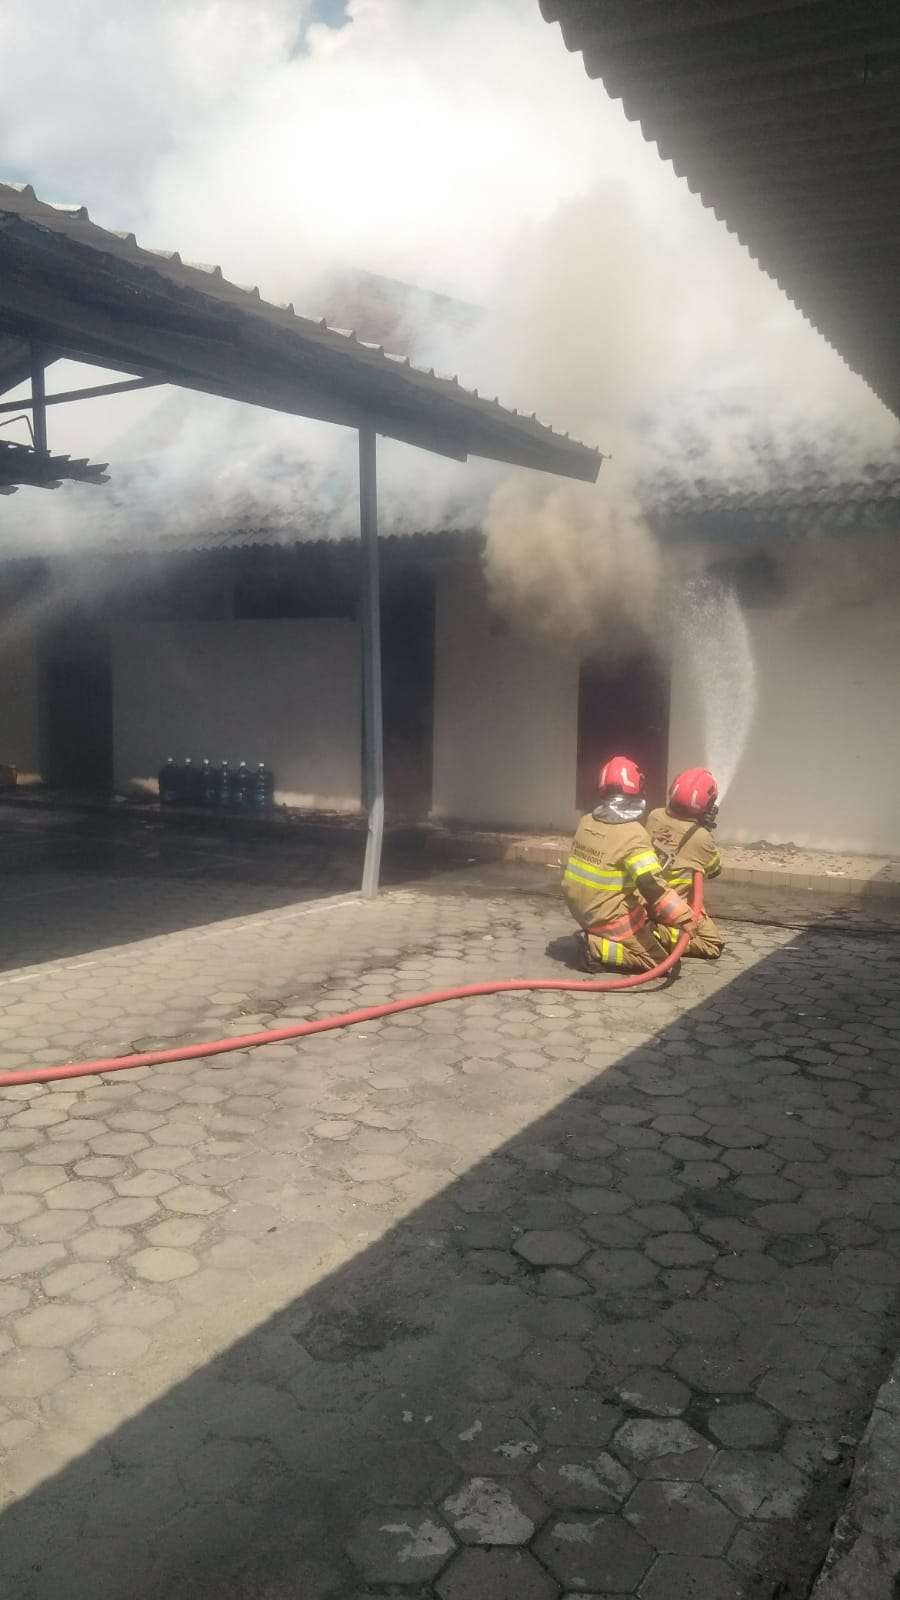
x=76 y=707
x=623 y=710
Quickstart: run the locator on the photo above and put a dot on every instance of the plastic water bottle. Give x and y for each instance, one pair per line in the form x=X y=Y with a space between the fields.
x=170 y=783
x=209 y=783
x=240 y=797
x=263 y=788
x=190 y=783
x=225 y=785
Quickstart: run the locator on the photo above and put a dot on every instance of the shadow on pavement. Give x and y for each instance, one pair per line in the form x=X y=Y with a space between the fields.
x=686 y=1270
x=80 y=881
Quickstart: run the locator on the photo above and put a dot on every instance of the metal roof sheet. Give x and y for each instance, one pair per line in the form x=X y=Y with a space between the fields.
x=100 y=297
x=784 y=116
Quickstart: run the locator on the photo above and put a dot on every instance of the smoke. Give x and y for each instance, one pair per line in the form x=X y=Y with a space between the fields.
x=462 y=149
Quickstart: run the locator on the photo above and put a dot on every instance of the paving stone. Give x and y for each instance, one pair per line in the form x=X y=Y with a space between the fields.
x=679 y=1250
x=657 y=1392
x=743 y=1425
x=79 y=1194
x=680 y=1518
x=757 y=1484
x=803 y=1396
x=613 y=1271
x=34 y=1179
x=581 y=1479
x=499 y=1574
x=81 y=1280
x=53 y=1226
x=587 y=1551
x=401 y=1546
x=51 y=1325
x=20 y=1260
x=493 y=1511
x=114 y=1350
x=657 y=1448
x=102 y=1244
x=126 y=1212
x=717 y=1368
x=551 y=1248
x=691 y=1578
x=159 y=1265
x=28 y=1374
x=562 y=1364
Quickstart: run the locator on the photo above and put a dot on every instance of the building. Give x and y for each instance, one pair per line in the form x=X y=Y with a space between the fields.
x=780 y=669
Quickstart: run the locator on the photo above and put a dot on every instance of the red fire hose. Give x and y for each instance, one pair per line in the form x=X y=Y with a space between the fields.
x=348 y=1019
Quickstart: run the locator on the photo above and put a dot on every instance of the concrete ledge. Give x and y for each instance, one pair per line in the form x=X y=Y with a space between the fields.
x=781 y=867
x=863 y=1561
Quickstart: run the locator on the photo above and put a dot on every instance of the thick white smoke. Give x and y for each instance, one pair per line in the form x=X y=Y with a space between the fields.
x=457 y=146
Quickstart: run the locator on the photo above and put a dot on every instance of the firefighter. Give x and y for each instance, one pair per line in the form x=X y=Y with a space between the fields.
x=613 y=882
x=682 y=835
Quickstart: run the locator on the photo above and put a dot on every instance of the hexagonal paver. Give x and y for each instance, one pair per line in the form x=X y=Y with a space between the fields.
x=126 y=1212
x=51 y=1325
x=679 y=1250
x=500 y=1574
x=657 y=1448
x=161 y=1265
x=591 y=1552
x=585 y=1480
x=493 y=1511
x=718 y=1368
x=53 y=1226
x=401 y=1546
x=20 y=1259
x=656 y=1392
x=618 y=1270
x=787 y=1219
x=34 y=1180
x=803 y=1395
x=102 y=1244
x=691 y=1578
x=79 y=1194
x=118 y=1144
x=680 y=1518
x=549 y=1248
x=744 y=1425
x=31 y=1373
x=757 y=1484
x=114 y=1350
x=81 y=1280
x=562 y=1364
x=193 y=1199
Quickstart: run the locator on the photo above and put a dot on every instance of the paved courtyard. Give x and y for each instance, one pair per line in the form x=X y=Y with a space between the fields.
x=529 y=1297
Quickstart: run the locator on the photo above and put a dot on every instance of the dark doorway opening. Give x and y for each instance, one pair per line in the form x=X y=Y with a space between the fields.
x=623 y=709
x=407 y=664
x=76 y=707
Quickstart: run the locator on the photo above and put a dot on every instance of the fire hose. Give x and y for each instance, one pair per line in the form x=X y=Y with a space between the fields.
x=349 y=1019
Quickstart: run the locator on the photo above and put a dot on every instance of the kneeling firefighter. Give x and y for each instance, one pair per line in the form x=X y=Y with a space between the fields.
x=682 y=835
x=613 y=883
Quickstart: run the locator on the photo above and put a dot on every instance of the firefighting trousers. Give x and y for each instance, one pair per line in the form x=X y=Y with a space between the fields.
x=705 y=941
x=636 y=952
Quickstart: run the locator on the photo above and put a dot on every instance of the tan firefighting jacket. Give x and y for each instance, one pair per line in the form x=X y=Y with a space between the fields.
x=600 y=880
x=686 y=846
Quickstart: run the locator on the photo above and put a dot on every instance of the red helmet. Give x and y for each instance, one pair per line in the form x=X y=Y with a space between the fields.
x=694 y=791
x=622 y=774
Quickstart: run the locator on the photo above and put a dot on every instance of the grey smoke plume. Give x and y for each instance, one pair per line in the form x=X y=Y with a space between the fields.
x=459 y=148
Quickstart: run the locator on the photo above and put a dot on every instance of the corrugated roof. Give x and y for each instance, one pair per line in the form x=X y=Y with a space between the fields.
x=709 y=512
x=99 y=296
x=784 y=116
x=22 y=464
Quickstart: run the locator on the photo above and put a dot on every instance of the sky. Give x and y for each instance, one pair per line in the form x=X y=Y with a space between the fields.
x=454 y=144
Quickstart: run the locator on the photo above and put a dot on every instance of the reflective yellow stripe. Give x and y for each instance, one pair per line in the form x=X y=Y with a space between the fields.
x=642 y=861
x=585 y=872
x=612 y=954
x=679 y=880
x=579 y=877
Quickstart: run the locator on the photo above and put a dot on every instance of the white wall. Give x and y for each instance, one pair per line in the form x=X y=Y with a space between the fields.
x=506 y=717
x=18 y=703
x=821 y=765
x=285 y=692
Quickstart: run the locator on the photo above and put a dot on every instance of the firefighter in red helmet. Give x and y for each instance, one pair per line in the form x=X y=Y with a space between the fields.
x=682 y=835
x=613 y=883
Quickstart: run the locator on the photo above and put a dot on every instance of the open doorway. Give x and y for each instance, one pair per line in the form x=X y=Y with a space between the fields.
x=76 y=706
x=623 y=709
